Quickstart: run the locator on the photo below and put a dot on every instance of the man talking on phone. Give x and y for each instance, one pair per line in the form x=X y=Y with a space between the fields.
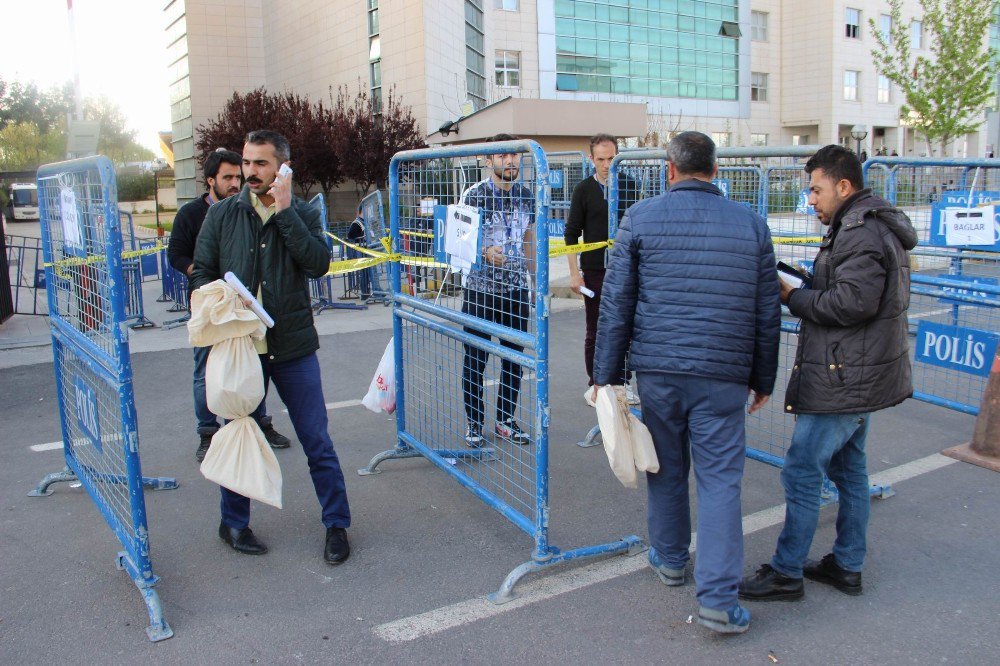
x=273 y=242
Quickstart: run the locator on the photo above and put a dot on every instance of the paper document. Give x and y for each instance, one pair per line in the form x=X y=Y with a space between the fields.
x=255 y=305
x=461 y=236
x=969 y=226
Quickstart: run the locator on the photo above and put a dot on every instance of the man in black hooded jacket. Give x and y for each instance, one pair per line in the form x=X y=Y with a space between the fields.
x=852 y=359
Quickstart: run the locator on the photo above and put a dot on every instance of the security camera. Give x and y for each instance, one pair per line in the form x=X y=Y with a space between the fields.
x=446 y=128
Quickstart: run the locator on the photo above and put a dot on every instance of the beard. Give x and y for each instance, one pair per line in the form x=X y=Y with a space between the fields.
x=508 y=174
x=223 y=192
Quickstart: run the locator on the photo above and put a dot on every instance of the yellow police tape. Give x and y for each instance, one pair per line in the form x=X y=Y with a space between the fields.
x=63 y=264
x=796 y=240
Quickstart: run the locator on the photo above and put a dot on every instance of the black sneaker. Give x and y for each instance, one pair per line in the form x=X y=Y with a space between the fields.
x=206 y=441
x=829 y=572
x=274 y=438
x=509 y=430
x=770 y=585
x=474 y=435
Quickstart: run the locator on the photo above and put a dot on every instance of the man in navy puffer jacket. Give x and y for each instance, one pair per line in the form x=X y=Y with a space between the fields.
x=692 y=287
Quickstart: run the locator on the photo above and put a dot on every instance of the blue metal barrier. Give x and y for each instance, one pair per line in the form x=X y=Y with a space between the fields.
x=375 y=283
x=566 y=170
x=86 y=290
x=321 y=288
x=437 y=333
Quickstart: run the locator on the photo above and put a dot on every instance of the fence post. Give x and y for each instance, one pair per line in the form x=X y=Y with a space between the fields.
x=984 y=449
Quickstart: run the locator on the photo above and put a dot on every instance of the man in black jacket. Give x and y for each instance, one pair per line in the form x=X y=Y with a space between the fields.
x=852 y=359
x=274 y=244
x=222 y=179
x=588 y=215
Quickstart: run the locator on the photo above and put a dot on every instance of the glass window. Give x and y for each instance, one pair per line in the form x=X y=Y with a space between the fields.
x=884 y=89
x=475 y=59
x=758 y=139
x=721 y=139
x=373 y=22
x=885 y=26
x=506 y=5
x=758 y=87
x=375 y=48
x=800 y=139
x=851 y=78
x=508 y=69
x=852 y=23
x=917 y=34
x=758 y=26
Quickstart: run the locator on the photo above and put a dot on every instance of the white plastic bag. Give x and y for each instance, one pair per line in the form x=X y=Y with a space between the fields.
x=217 y=314
x=627 y=441
x=381 y=396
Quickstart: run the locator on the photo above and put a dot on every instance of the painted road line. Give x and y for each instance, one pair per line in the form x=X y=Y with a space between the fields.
x=473 y=610
x=51 y=446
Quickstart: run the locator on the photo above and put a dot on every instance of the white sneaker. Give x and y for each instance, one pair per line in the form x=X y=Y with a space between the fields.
x=631 y=397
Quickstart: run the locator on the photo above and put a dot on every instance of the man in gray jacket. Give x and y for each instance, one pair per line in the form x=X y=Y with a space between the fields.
x=852 y=359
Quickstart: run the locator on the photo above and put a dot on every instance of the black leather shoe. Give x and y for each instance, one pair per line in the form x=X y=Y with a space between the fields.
x=274 y=438
x=242 y=541
x=203 y=444
x=829 y=572
x=337 y=548
x=769 y=585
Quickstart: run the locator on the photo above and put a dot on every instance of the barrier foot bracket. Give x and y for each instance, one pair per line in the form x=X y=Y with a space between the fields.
x=158 y=629
x=42 y=490
x=142 y=322
x=593 y=438
x=159 y=482
x=630 y=545
x=397 y=453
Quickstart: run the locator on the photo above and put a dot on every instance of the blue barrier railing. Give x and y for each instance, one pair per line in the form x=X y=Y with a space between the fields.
x=444 y=347
x=86 y=290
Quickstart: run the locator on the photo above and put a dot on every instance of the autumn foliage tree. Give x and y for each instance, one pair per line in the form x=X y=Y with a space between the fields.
x=345 y=140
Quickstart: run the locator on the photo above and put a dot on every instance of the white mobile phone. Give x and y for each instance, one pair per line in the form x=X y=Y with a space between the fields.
x=285 y=171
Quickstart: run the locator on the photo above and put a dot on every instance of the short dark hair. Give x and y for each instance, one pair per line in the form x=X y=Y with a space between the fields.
x=215 y=160
x=502 y=137
x=692 y=153
x=603 y=138
x=838 y=163
x=282 y=150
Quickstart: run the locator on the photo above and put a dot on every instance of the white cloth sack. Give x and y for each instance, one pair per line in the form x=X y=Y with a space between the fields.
x=381 y=396
x=217 y=314
x=239 y=458
x=627 y=441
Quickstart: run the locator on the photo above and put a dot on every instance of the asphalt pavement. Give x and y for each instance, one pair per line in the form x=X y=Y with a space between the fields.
x=426 y=551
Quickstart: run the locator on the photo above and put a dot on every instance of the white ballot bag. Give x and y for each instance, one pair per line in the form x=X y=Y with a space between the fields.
x=627 y=441
x=381 y=396
x=239 y=458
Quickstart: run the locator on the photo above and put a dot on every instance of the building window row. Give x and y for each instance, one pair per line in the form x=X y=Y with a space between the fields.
x=475 y=53
x=374 y=56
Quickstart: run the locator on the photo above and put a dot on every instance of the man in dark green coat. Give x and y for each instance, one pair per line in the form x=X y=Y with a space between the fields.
x=274 y=244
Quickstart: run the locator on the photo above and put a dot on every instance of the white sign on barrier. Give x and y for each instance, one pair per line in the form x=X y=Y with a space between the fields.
x=968 y=226
x=69 y=217
x=461 y=239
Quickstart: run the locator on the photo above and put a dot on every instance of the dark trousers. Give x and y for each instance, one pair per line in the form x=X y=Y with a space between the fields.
x=594 y=281
x=511 y=310
x=299 y=387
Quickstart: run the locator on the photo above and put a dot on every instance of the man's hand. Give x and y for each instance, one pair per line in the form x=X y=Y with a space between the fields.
x=759 y=400
x=593 y=395
x=575 y=282
x=189 y=270
x=494 y=255
x=786 y=290
x=281 y=190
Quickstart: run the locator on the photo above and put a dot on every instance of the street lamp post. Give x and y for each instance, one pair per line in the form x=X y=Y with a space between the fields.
x=859 y=133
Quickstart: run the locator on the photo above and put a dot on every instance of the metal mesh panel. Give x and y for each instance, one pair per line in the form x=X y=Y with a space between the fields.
x=462 y=400
x=26 y=268
x=98 y=450
x=769 y=430
x=566 y=171
x=85 y=291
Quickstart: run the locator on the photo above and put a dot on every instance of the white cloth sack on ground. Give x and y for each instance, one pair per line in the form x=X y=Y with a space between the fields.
x=218 y=313
x=627 y=441
x=381 y=394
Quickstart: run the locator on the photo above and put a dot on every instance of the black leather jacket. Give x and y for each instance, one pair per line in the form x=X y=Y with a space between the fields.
x=278 y=258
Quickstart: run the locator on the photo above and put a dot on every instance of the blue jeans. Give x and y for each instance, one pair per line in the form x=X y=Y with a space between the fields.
x=299 y=386
x=834 y=444
x=701 y=420
x=208 y=424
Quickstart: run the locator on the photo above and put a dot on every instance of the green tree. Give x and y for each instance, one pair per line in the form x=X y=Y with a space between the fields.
x=116 y=141
x=23 y=146
x=25 y=103
x=947 y=91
